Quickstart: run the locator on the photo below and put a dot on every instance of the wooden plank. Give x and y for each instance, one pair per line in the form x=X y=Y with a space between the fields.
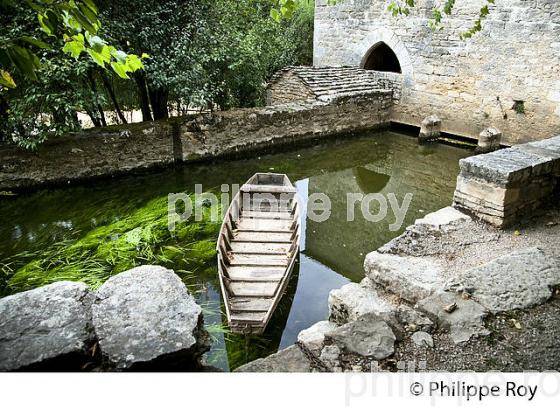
x=260 y=248
x=263 y=237
x=257 y=289
x=248 y=317
x=237 y=259
x=267 y=214
x=255 y=273
x=264 y=225
x=273 y=189
x=251 y=304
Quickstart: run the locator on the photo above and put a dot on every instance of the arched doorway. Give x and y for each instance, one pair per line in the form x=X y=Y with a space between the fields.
x=381 y=58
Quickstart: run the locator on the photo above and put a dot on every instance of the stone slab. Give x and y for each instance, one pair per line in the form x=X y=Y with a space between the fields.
x=442 y=218
x=411 y=278
x=502 y=167
x=463 y=322
x=518 y=280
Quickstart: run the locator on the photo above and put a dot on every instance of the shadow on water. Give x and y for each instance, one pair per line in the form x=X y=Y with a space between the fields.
x=332 y=252
x=370 y=181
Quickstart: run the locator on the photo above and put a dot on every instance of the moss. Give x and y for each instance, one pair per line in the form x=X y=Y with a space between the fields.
x=140 y=238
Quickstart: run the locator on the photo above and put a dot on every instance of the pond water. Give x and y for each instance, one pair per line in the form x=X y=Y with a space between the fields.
x=332 y=252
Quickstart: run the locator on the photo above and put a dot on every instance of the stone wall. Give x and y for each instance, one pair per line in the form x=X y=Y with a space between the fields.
x=122 y=149
x=505 y=185
x=507 y=76
x=290 y=88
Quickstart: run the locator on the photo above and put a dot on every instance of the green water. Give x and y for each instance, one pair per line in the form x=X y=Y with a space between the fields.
x=92 y=231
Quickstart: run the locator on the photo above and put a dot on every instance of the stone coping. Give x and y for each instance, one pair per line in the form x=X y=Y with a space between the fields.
x=502 y=186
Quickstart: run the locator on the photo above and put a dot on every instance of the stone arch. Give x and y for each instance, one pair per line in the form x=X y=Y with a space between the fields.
x=386 y=36
x=381 y=57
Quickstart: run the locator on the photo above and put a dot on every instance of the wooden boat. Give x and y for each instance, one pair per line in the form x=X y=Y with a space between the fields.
x=257 y=249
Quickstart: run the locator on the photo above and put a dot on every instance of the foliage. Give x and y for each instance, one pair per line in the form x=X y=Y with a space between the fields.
x=140 y=238
x=204 y=54
x=76 y=22
x=404 y=7
x=252 y=47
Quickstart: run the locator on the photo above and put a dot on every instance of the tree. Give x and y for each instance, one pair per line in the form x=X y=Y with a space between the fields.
x=204 y=54
x=35 y=36
x=76 y=22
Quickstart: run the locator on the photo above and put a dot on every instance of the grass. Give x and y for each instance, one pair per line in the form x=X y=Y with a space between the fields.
x=140 y=238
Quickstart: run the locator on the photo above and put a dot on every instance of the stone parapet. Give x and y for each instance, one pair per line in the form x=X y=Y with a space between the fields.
x=502 y=186
x=135 y=147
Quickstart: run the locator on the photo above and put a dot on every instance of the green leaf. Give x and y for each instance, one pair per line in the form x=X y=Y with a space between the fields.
x=6 y=79
x=96 y=43
x=120 y=56
x=97 y=57
x=120 y=69
x=275 y=15
x=25 y=61
x=46 y=25
x=76 y=46
x=35 y=42
x=134 y=63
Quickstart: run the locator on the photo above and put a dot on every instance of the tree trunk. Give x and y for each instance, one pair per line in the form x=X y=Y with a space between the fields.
x=113 y=97
x=143 y=95
x=3 y=117
x=94 y=119
x=98 y=106
x=159 y=98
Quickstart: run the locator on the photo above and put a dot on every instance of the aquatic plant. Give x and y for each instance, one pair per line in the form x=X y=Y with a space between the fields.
x=137 y=239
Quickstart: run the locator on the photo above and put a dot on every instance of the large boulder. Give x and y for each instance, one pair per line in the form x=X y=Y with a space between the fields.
x=47 y=328
x=145 y=319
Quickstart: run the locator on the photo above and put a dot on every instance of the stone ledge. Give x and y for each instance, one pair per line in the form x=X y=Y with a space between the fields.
x=502 y=186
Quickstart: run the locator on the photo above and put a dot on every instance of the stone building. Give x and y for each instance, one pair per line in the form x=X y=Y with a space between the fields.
x=327 y=83
x=506 y=76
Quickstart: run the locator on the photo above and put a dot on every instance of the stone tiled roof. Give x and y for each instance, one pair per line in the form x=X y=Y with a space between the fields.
x=329 y=82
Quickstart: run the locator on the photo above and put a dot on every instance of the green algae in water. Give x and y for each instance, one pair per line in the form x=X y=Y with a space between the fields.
x=140 y=238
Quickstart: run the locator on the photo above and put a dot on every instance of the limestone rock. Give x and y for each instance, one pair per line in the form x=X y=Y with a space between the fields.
x=516 y=281
x=411 y=278
x=354 y=300
x=489 y=140
x=422 y=339
x=413 y=320
x=442 y=218
x=369 y=336
x=290 y=360
x=146 y=318
x=330 y=358
x=313 y=337
x=463 y=323
x=47 y=328
x=430 y=129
